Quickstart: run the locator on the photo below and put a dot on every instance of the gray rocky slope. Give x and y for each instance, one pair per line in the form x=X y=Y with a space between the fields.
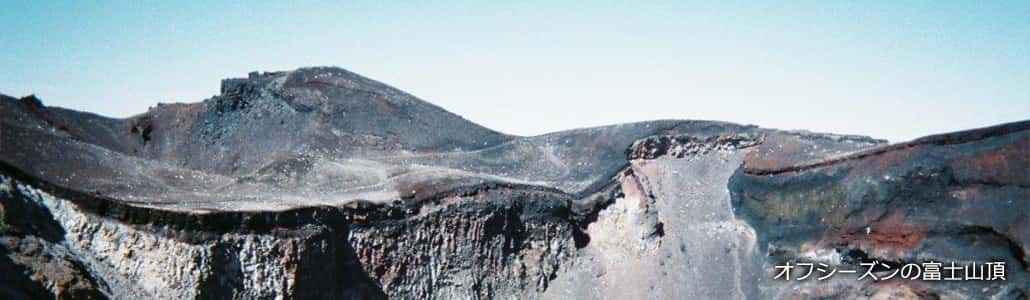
x=320 y=183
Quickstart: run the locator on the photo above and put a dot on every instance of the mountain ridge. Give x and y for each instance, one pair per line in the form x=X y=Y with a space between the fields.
x=322 y=184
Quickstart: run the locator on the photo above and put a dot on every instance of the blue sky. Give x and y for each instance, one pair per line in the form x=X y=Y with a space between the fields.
x=889 y=69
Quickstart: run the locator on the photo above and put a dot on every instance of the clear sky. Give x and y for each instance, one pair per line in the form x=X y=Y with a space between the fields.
x=889 y=69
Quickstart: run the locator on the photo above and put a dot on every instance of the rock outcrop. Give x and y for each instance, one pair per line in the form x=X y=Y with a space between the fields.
x=319 y=183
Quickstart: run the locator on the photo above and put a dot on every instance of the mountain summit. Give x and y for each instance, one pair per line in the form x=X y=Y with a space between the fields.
x=319 y=183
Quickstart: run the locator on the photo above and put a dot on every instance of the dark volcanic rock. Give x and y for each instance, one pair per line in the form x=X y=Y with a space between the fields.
x=320 y=183
x=962 y=197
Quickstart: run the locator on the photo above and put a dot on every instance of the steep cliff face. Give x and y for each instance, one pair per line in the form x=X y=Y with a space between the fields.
x=482 y=242
x=670 y=232
x=320 y=183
